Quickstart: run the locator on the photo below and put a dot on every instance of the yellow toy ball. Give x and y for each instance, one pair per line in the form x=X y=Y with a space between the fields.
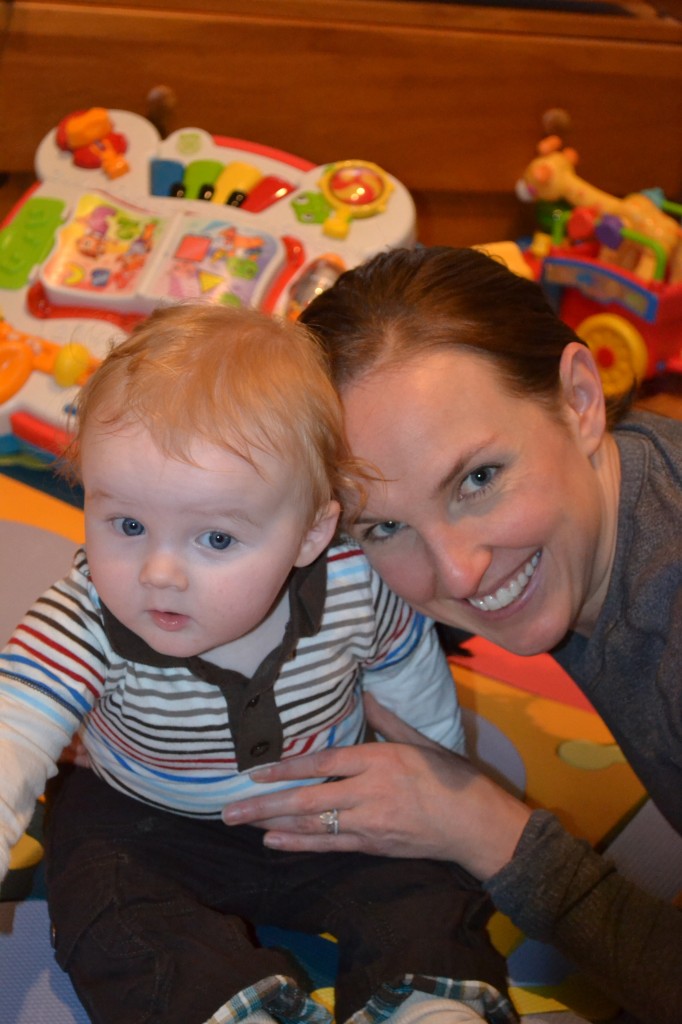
x=70 y=364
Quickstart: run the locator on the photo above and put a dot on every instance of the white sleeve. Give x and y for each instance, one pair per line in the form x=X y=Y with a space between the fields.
x=29 y=750
x=411 y=675
x=52 y=672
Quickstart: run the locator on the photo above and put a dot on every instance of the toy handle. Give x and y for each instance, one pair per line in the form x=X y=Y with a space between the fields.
x=337 y=225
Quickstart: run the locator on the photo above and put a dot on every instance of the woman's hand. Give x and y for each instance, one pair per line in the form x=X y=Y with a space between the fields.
x=406 y=798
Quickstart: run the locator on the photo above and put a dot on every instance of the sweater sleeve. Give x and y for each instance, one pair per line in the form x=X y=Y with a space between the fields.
x=557 y=889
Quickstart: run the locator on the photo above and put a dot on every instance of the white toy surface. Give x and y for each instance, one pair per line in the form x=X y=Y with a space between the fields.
x=92 y=249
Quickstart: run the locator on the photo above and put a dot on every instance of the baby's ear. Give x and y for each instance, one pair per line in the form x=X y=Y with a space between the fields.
x=319 y=535
x=584 y=396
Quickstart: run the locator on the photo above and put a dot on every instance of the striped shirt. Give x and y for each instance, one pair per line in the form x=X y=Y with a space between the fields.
x=182 y=734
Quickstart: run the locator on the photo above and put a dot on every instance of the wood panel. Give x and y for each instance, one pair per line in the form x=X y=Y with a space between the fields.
x=443 y=107
x=446 y=97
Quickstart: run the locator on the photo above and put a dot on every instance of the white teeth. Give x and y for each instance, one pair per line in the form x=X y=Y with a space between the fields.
x=505 y=595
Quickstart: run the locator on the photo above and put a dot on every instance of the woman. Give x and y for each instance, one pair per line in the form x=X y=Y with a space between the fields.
x=507 y=507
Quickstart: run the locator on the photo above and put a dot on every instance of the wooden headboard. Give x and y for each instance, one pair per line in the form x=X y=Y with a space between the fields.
x=449 y=98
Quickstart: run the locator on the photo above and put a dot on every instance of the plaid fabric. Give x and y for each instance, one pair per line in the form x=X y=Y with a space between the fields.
x=278 y=996
x=282 y=999
x=481 y=997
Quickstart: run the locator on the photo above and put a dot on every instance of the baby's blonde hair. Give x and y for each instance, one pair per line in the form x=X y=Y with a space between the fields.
x=235 y=378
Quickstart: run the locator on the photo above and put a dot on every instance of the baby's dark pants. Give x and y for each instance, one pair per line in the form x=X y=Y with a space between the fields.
x=154 y=913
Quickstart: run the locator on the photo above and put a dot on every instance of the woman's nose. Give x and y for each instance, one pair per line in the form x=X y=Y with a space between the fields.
x=460 y=561
x=163 y=569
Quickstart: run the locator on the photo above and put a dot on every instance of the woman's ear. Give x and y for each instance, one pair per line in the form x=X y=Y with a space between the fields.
x=319 y=535
x=583 y=396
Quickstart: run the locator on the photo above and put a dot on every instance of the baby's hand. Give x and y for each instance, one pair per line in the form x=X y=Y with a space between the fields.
x=75 y=753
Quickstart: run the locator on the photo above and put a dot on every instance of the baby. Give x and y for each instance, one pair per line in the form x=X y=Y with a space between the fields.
x=212 y=625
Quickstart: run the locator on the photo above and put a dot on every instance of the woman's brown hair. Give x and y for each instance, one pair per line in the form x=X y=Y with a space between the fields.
x=406 y=302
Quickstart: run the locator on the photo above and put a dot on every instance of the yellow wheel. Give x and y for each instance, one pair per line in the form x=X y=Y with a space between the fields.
x=618 y=349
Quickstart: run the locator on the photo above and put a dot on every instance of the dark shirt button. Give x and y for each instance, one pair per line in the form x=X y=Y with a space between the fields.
x=258 y=749
x=252 y=703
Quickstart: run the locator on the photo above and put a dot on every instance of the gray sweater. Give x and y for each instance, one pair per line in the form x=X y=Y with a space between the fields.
x=556 y=889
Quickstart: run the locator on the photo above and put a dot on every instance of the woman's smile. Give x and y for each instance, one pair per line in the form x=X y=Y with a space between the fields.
x=507 y=594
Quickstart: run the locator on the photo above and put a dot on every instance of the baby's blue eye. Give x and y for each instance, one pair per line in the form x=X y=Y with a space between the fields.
x=129 y=527
x=217 y=540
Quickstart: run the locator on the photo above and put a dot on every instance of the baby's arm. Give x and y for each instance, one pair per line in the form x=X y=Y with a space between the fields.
x=411 y=677
x=51 y=673
x=29 y=749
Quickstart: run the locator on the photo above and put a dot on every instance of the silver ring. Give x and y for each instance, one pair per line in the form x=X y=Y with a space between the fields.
x=330 y=819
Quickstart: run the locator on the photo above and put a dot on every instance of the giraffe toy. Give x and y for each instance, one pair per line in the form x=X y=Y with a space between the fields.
x=551 y=176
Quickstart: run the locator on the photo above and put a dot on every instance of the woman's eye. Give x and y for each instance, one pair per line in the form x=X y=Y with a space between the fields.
x=479 y=479
x=217 y=540
x=383 y=531
x=129 y=527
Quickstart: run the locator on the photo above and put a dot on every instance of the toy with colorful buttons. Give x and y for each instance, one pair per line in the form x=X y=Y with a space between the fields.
x=121 y=221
